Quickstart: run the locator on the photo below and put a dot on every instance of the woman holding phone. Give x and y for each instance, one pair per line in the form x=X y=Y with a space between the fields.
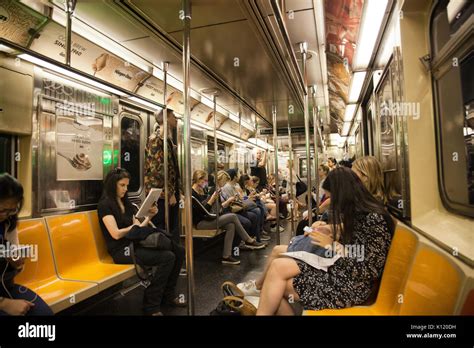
x=117 y=218
x=14 y=299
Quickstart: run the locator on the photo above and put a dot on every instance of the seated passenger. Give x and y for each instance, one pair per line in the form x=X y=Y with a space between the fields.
x=251 y=194
x=117 y=217
x=363 y=223
x=264 y=198
x=251 y=213
x=14 y=299
x=230 y=222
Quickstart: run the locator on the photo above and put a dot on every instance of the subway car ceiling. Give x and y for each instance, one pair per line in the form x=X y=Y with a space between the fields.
x=249 y=56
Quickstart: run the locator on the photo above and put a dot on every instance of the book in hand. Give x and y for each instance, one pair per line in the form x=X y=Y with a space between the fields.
x=151 y=199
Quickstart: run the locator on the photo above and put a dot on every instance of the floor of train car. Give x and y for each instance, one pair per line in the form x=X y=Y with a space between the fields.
x=209 y=274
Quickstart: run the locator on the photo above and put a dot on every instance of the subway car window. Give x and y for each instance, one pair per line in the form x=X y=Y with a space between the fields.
x=6 y=154
x=454 y=99
x=130 y=151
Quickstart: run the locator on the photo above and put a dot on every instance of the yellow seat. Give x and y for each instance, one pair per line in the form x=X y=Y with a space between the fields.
x=39 y=273
x=75 y=252
x=397 y=266
x=101 y=247
x=433 y=285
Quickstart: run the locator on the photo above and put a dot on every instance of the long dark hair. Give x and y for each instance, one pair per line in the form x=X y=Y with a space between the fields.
x=349 y=197
x=243 y=178
x=110 y=187
x=10 y=188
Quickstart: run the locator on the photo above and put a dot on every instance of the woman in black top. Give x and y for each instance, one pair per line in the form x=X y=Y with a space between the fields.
x=116 y=217
x=14 y=299
x=230 y=222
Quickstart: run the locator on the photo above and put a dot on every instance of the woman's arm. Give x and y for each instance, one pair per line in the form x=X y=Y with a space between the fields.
x=115 y=232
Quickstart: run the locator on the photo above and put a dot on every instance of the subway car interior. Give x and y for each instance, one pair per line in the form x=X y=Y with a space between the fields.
x=319 y=157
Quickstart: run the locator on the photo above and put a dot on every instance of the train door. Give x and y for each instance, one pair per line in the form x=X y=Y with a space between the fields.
x=199 y=159
x=133 y=123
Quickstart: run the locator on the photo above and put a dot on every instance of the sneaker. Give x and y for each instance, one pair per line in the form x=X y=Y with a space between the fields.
x=230 y=261
x=274 y=229
x=249 y=288
x=244 y=247
x=254 y=245
x=264 y=238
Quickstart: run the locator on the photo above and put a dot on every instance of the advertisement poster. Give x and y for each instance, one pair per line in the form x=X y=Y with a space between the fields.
x=88 y=57
x=18 y=22
x=78 y=149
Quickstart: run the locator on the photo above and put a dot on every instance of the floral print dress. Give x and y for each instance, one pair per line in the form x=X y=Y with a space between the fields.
x=350 y=280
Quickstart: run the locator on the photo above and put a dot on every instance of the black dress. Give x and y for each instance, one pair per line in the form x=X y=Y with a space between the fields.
x=350 y=280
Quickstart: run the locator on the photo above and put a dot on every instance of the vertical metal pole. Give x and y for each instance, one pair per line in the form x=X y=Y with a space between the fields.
x=165 y=147
x=187 y=155
x=304 y=51
x=316 y=152
x=70 y=6
x=277 y=181
x=214 y=97
x=240 y=144
x=292 y=193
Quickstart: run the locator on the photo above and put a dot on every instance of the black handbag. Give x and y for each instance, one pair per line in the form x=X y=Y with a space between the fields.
x=301 y=187
x=148 y=237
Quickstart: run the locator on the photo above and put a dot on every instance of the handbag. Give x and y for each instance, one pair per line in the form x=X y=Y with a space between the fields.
x=148 y=237
x=303 y=243
x=236 y=207
x=200 y=207
x=301 y=187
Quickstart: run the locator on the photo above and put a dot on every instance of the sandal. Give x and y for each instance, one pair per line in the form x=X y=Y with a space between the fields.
x=230 y=289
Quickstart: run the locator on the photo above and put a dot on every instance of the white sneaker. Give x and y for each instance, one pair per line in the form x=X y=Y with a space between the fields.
x=249 y=288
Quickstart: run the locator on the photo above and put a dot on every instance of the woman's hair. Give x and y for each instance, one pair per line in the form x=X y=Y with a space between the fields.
x=371 y=175
x=333 y=160
x=232 y=173
x=243 y=179
x=348 y=197
x=11 y=189
x=198 y=175
x=222 y=175
x=324 y=168
x=110 y=187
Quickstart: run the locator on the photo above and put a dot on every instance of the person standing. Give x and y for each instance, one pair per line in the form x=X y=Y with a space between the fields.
x=155 y=175
x=259 y=170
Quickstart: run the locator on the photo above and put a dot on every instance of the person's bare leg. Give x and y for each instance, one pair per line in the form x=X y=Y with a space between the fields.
x=276 y=285
x=272 y=208
x=277 y=250
x=285 y=308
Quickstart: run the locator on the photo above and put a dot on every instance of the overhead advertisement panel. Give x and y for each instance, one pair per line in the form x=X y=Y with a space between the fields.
x=88 y=57
x=18 y=23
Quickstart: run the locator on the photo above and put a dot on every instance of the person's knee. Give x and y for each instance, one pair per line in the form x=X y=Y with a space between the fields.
x=278 y=249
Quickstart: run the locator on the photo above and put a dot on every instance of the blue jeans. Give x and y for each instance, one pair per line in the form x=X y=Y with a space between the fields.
x=19 y=292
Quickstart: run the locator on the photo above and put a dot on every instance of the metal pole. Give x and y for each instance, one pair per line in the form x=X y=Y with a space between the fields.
x=292 y=193
x=187 y=155
x=70 y=6
x=165 y=146
x=316 y=152
x=277 y=181
x=214 y=97
x=304 y=51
